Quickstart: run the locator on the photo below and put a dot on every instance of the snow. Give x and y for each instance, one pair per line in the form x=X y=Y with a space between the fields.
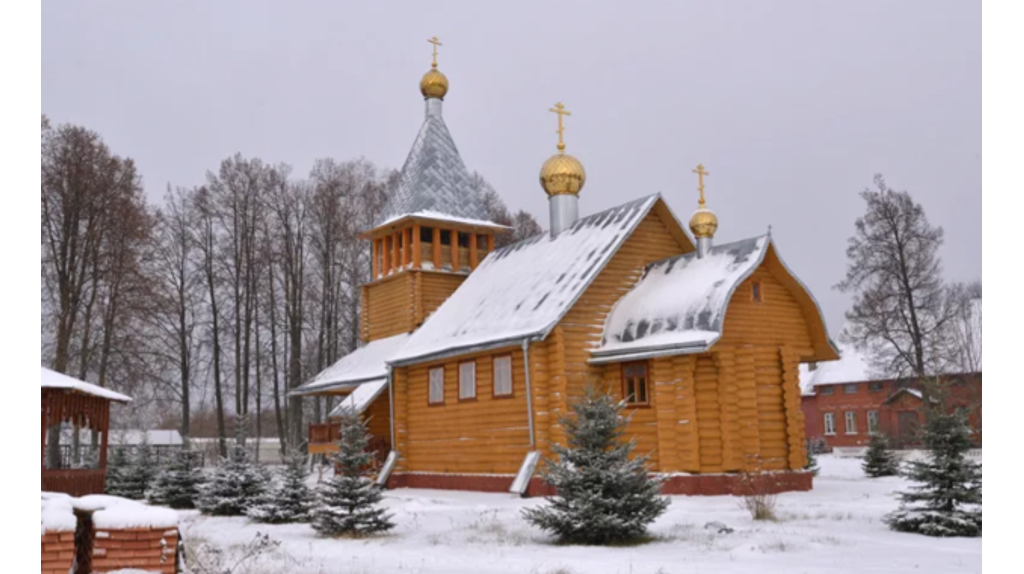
x=523 y=290
x=365 y=364
x=153 y=437
x=852 y=367
x=110 y=512
x=835 y=528
x=679 y=304
x=54 y=380
x=445 y=218
x=361 y=397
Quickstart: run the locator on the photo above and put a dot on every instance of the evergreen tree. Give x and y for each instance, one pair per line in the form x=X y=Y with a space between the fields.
x=290 y=500
x=947 y=502
x=117 y=467
x=237 y=483
x=177 y=484
x=812 y=460
x=139 y=473
x=880 y=460
x=349 y=501
x=602 y=496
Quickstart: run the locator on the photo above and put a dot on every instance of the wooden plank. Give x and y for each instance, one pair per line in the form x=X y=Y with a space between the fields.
x=417 y=255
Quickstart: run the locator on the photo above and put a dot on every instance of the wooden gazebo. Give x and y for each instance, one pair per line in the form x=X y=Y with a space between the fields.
x=87 y=406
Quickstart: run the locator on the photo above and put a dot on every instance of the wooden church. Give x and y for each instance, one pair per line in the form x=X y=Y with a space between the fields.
x=470 y=354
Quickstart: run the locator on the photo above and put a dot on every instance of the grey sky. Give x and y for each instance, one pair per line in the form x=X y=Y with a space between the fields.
x=791 y=106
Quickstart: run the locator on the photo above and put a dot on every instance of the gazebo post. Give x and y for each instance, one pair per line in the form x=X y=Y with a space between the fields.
x=104 y=427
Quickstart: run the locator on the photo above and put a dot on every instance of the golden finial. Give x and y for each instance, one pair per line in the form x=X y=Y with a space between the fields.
x=704 y=222
x=561 y=111
x=434 y=84
x=562 y=173
x=436 y=43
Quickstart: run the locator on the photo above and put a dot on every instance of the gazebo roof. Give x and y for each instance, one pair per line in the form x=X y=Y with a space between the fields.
x=53 y=380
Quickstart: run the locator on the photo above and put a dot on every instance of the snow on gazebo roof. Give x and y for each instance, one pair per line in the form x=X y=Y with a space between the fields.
x=522 y=290
x=54 y=380
x=365 y=364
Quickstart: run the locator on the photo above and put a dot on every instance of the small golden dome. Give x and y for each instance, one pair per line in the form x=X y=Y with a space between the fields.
x=703 y=223
x=562 y=174
x=434 y=84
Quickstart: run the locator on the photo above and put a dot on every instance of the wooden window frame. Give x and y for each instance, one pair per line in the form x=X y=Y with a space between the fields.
x=431 y=403
x=826 y=417
x=511 y=377
x=756 y=291
x=475 y=390
x=847 y=417
x=647 y=383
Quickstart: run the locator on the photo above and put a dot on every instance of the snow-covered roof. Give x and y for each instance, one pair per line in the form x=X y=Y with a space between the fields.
x=153 y=437
x=852 y=367
x=433 y=177
x=366 y=363
x=523 y=290
x=361 y=397
x=444 y=217
x=679 y=304
x=111 y=512
x=53 y=380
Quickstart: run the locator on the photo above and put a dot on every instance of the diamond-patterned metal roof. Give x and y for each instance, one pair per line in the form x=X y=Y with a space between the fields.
x=434 y=177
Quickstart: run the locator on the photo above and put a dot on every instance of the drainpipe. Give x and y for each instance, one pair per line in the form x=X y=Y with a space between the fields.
x=529 y=394
x=391 y=403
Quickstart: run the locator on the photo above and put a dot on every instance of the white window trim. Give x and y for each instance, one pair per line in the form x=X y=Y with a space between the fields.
x=505 y=360
x=875 y=429
x=830 y=417
x=430 y=386
x=846 y=422
x=465 y=381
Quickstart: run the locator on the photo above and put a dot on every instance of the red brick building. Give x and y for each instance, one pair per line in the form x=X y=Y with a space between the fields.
x=842 y=405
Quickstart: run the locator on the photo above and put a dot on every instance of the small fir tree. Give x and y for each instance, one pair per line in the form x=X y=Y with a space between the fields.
x=117 y=467
x=177 y=483
x=880 y=460
x=348 y=503
x=602 y=495
x=947 y=500
x=237 y=483
x=812 y=460
x=141 y=470
x=290 y=500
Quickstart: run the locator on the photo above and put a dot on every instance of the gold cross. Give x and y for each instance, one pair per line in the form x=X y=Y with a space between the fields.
x=700 y=174
x=561 y=111
x=436 y=43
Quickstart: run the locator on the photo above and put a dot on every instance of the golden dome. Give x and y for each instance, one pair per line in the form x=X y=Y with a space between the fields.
x=703 y=223
x=434 y=84
x=561 y=174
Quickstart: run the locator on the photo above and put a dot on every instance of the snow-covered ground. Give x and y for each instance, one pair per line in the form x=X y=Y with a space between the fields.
x=836 y=527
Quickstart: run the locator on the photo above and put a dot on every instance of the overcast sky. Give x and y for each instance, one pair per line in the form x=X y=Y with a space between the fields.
x=791 y=106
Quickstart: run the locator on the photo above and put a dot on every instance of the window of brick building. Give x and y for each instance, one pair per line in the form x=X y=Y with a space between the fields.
x=826 y=390
x=851 y=422
x=872 y=421
x=850 y=389
x=875 y=387
x=830 y=423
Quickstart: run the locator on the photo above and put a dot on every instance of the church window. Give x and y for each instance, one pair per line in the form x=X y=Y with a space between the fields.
x=446 y=237
x=426 y=234
x=463 y=239
x=755 y=291
x=830 y=423
x=503 y=376
x=436 y=396
x=467 y=380
x=481 y=242
x=634 y=383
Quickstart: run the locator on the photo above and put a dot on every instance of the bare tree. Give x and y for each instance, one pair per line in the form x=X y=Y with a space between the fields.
x=901 y=306
x=522 y=223
x=964 y=335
